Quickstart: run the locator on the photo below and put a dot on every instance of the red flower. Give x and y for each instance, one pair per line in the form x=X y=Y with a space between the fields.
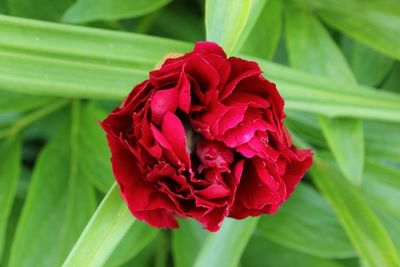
x=203 y=137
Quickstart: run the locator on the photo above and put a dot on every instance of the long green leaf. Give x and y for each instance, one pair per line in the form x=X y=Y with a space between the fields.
x=80 y=62
x=90 y=10
x=307 y=224
x=58 y=205
x=225 y=247
x=226 y=20
x=367 y=233
x=10 y=167
x=103 y=233
x=308 y=42
x=264 y=36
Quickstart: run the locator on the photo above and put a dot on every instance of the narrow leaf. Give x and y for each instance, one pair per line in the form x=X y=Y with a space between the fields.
x=90 y=10
x=103 y=233
x=226 y=20
x=225 y=247
x=366 y=232
x=10 y=168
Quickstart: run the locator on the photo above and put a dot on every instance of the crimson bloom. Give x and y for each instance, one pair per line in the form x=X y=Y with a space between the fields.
x=204 y=138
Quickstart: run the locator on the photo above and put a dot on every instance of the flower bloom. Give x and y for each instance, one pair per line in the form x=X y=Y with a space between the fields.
x=204 y=138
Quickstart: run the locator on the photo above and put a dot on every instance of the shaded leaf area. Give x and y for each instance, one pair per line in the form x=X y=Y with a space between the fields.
x=368 y=65
x=50 y=10
x=91 y=10
x=10 y=169
x=260 y=253
x=364 y=228
x=55 y=210
x=307 y=224
x=76 y=157
x=19 y=102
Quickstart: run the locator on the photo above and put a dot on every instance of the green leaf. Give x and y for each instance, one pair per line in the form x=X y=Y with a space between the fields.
x=307 y=224
x=18 y=102
x=261 y=253
x=3 y=7
x=382 y=187
x=226 y=20
x=311 y=48
x=94 y=152
x=191 y=24
x=58 y=205
x=264 y=37
x=50 y=10
x=369 y=237
x=345 y=138
x=135 y=240
x=10 y=168
x=308 y=41
x=375 y=23
x=393 y=81
x=90 y=10
x=103 y=233
x=368 y=65
x=387 y=148
x=186 y=242
x=225 y=247
x=91 y=63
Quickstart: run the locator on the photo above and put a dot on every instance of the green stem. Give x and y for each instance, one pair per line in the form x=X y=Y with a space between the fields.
x=103 y=233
